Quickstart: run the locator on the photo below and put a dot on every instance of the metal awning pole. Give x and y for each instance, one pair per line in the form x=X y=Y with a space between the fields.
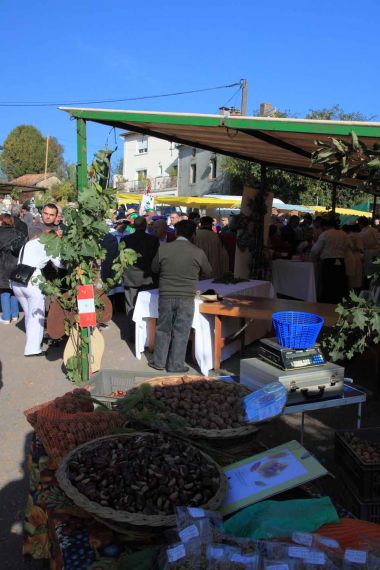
x=82 y=182
x=374 y=207
x=81 y=154
x=333 y=197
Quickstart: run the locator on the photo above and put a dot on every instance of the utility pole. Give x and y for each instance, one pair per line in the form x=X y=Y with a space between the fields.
x=46 y=156
x=244 y=93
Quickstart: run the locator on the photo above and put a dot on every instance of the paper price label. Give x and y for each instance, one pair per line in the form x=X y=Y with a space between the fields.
x=196 y=513
x=329 y=542
x=277 y=567
x=176 y=553
x=244 y=558
x=317 y=558
x=215 y=553
x=304 y=538
x=297 y=552
x=188 y=533
x=359 y=556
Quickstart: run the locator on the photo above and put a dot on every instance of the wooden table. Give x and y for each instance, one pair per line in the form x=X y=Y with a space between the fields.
x=248 y=309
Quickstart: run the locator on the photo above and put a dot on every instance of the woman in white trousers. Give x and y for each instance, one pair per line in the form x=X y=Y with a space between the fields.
x=30 y=296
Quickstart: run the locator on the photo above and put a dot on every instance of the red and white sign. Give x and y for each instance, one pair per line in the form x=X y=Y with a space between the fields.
x=86 y=306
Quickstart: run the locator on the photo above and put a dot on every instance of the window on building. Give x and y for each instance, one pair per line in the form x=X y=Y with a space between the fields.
x=193 y=173
x=142 y=146
x=212 y=174
x=141 y=175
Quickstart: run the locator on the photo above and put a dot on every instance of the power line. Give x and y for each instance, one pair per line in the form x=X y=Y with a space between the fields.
x=55 y=104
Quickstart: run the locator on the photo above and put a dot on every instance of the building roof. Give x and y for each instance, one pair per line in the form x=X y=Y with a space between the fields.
x=31 y=179
x=286 y=143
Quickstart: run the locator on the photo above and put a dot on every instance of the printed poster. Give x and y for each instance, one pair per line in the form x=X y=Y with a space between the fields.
x=269 y=473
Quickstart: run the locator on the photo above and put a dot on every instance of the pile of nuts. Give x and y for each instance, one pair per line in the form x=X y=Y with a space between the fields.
x=203 y=403
x=74 y=402
x=367 y=451
x=149 y=474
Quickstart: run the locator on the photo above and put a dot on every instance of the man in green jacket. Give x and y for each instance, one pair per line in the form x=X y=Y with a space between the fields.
x=179 y=264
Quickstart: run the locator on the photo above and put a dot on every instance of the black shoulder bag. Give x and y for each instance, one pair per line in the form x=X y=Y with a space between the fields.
x=22 y=273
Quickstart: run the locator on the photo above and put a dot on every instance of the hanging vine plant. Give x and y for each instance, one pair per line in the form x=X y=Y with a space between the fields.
x=358 y=326
x=81 y=254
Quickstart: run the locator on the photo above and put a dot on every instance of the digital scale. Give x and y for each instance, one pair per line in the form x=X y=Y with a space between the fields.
x=289 y=358
x=305 y=373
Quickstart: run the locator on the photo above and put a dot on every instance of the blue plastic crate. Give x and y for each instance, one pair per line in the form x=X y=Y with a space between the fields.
x=295 y=329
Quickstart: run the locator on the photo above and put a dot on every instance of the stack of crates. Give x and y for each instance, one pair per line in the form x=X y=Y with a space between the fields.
x=359 y=480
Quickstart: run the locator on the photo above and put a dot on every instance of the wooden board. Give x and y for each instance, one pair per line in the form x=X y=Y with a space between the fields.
x=261 y=308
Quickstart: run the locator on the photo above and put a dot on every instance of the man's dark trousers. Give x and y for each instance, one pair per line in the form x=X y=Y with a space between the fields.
x=175 y=317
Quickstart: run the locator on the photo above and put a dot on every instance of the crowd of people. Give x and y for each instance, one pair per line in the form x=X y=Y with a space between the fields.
x=174 y=252
x=345 y=253
x=20 y=231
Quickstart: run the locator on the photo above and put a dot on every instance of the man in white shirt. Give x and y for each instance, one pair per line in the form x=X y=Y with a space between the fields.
x=331 y=248
x=31 y=297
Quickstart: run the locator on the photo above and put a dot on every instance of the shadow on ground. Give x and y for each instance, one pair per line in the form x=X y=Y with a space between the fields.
x=12 y=508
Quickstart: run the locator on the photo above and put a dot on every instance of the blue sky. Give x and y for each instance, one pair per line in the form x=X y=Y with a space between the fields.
x=296 y=54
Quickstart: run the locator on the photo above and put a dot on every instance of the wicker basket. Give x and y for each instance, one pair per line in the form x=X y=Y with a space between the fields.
x=141 y=520
x=247 y=429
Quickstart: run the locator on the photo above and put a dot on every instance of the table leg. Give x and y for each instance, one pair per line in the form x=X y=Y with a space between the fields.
x=302 y=426
x=359 y=417
x=217 y=342
x=152 y=333
x=242 y=336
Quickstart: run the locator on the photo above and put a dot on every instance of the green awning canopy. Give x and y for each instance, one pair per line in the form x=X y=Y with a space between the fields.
x=286 y=144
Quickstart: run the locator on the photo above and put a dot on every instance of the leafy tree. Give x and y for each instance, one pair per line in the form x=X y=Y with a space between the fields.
x=63 y=192
x=118 y=168
x=335 y=113
x=24 y=152
x=80 y=251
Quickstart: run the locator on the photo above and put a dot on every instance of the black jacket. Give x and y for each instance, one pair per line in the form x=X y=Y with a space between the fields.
x=147 y=246
x=11 y=241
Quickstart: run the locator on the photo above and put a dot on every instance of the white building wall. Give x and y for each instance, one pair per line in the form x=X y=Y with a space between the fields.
x=160 y=157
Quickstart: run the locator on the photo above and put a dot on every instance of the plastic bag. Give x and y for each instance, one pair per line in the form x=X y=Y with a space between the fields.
x=187 y=515
x=355 y=559
x=223 y=557
x=265 y=403
x=281 y=564
x=178 y=557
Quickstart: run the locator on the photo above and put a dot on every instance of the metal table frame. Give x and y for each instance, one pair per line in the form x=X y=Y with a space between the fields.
x=350 y=397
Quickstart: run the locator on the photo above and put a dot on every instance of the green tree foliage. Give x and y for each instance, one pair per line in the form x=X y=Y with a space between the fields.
x=118 y=168
x=24 y=152
x=335 y=113
x=63 y=193
x=80 y=251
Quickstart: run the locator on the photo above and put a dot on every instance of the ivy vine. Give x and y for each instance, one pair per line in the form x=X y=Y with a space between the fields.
x=80 y=251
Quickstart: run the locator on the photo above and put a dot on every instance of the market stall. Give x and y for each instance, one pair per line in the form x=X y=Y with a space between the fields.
x=146 y=311
x=71 y=517
x=138 y=484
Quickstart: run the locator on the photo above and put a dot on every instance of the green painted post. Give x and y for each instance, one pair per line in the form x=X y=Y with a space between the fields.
x=81 y=154
x=82 y=182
